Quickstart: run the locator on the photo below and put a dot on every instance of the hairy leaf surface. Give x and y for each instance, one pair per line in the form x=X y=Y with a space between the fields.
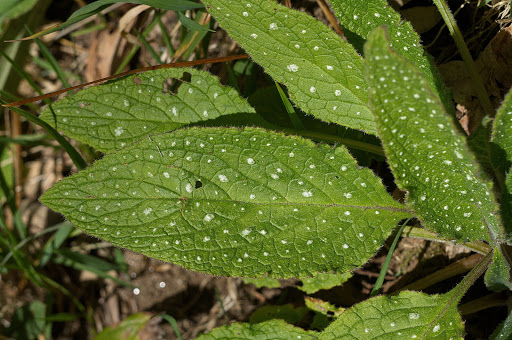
x=111 y=116
x=268 y=330
x=409 y=315
x=323 y=73
x=233 y=202
x=502 y=157
x=362 y=17
x=429 y=157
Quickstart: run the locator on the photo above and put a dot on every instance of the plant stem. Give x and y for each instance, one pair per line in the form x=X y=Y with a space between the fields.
x=466 y=56
x=458 y=292
x=385 y=265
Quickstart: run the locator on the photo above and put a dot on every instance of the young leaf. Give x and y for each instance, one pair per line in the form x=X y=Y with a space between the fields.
x=111 y=116
x=428 y=156
x=130 y=328
x=362 y=17
x=323 y=73
x=409 y=315
x=497 y=277
x=312 y=285
x=233 y=202
x=274 y=329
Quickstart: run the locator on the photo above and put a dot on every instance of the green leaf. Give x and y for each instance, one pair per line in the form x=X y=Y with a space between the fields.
x=323 y=307
x=111 y=116
x=504 y=330
x=261 y=282
x=191 y=24
x=10 y=9
x=323 y=73
x=362 y=17
x=128 y=329
x=288 y=313
x=233 y=202
x=28 y=321
x=312 y=285
x=497 y=277
x=428 y=156
x=99 y=5
x=269 y=330
x=409 y=315
x=502 y=157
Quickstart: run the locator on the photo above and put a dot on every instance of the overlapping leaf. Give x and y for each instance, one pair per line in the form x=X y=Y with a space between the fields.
x=269 y=330
x=323 y=73
x=429 y=158
x=362 y=17
x=119 y=113
x=409 y=315
x=233 y=202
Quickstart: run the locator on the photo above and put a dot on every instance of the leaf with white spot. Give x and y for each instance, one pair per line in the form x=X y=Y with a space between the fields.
x=323 y=73
x=233 y=202
x=359 y=18
x=268 y=330
x=409 y=315
x=502 y=157
x=428 y=156
x=119 y=113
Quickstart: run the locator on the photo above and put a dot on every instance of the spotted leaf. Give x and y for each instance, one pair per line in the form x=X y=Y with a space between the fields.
x=323 y=73
x=428 y=156
x=233 y=202
x=362 y=17
x=502 y=156
x=410 y=315
x=117 y=114
x=268 y=330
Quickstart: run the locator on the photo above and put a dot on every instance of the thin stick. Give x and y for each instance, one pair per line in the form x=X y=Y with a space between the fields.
x=127 y=73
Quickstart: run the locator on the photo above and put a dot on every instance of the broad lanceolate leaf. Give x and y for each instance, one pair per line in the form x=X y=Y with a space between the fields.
x=269 y=330
x=409 y=315
x=428 y=156
x=119 y=113
x=323 y=73
x=362 y=17
x=233 y=202
x=502 y=143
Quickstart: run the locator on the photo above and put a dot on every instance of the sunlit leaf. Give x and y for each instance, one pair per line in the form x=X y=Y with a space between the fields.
x=409 y=315
x=269 y=330
x=233 y=202
x=323 y=73
x=119 y=113
x=429 y=157
x=359 y=18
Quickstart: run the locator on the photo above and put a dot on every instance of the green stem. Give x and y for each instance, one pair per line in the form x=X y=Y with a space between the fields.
x=478 y=247
x=458 y=292
x=466 y=56
x=385 y=265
